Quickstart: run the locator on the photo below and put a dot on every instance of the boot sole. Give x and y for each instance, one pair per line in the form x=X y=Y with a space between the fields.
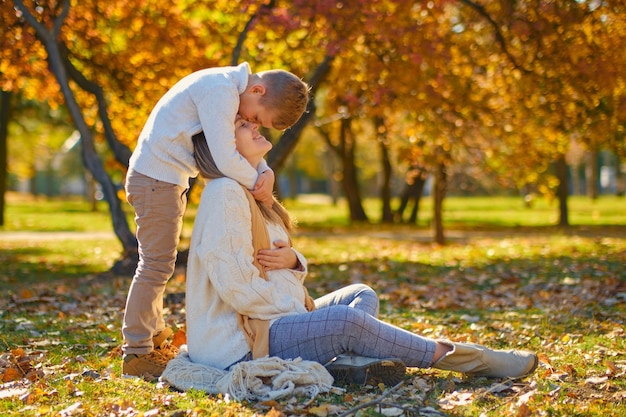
x=387 y=371
x=532 y=369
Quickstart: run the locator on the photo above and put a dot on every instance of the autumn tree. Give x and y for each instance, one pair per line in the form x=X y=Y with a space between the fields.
x=563 y=77
x=101 y=56
x=5 y=116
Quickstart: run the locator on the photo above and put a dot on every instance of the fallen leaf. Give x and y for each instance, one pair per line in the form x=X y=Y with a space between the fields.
x=612 y=368
x=524 y=398
x=274 y=413
x=456 y=399
x=523 y=411
x=72 y=410
x=392 y=411
x=18 y=353
x=179 y=338
x=421 y=384
x=26 y=293
x=13 y=392
x=543 y=358
x=12 y=374
x=324 y=410
x=596 y=380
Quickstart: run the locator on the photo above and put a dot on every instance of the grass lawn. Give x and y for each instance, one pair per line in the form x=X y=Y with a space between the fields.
x=507 y=278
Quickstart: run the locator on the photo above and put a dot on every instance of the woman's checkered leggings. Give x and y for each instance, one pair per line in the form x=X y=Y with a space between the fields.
x=345 y=321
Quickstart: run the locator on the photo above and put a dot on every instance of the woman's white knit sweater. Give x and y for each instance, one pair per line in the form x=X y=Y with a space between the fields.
x=223 y=281
x=206 y=100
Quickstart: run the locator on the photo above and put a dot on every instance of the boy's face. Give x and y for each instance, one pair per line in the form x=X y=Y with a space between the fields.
x=251 y=109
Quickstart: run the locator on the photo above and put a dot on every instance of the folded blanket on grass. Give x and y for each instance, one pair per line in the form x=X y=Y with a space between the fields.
x=262 y=379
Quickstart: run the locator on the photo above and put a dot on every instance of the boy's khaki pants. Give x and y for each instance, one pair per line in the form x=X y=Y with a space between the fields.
x=159 y=208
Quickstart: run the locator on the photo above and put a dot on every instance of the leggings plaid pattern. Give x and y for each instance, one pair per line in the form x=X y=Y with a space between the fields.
x=345 y=321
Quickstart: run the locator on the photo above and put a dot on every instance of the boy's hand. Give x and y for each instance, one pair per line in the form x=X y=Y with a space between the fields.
x=264 y=187
x=282 y=257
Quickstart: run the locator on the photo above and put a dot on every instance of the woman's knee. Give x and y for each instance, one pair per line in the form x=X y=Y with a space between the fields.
x=366 y=299
x=347 y=320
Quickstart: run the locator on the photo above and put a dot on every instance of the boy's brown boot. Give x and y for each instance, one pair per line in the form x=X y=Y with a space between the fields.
x=477 y=360
x=164 y=347
x=149 y=366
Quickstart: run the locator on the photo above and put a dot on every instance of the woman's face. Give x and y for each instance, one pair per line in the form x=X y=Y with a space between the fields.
x=249 y=142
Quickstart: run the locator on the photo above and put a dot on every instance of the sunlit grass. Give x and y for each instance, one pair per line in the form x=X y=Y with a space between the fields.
x=76 y=214
x=468 y=212
x=559 y=293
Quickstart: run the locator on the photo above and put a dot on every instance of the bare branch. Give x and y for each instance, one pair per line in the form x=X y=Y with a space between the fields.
x=276 y=158
x=121 y=152
x=246 y=29
x=497 y=32
x=379 y=400
x=40 y=29
x=58 y=21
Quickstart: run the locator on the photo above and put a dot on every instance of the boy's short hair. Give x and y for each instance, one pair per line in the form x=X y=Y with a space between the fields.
x=286 y=95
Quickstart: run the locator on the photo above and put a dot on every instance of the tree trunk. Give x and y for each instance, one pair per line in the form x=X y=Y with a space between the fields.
x=289 y=139
x=620 y=178
x=562 y=190
x=121 y=152
x=350 y=181
x=345 y=151
x=292 y=175
x=90 y=157
x=417 y=188
x=385 y=188
x=5 y=116
x=591 y=174
x=333 y=184
x=439 y=193
x=413 y=189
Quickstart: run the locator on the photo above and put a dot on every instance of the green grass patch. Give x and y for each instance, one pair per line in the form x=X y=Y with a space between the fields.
x=318 y=212
x=559 y=293
x=473 y=212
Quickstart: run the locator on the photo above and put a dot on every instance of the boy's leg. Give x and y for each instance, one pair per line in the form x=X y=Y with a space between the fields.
x=159 y=209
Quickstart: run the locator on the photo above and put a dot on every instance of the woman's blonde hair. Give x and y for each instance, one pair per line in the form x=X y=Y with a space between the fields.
x=208 y=169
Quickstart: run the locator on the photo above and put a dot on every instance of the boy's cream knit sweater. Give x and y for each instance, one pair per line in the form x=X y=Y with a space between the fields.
x=206 y=100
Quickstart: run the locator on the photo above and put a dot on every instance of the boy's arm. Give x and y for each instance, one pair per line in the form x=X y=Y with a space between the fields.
x=217 y=111
x=264 y=188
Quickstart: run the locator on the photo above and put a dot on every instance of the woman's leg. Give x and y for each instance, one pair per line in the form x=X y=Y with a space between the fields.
x=358 y=296
x=338 y=329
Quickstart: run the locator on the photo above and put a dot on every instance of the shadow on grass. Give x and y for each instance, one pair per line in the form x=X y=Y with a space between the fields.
x=24 y=266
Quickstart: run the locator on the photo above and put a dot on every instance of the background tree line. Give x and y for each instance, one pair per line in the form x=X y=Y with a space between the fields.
x=505 y=87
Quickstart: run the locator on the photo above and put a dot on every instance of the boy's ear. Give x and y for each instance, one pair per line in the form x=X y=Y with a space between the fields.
x=258 y=89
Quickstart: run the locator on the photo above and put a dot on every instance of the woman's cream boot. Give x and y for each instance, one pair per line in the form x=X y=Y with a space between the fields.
x=477 y=360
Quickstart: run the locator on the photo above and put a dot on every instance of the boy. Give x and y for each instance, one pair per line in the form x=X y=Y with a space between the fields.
x=158 y=178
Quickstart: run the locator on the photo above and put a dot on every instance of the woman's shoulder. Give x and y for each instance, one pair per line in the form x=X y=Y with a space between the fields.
x=222 y=188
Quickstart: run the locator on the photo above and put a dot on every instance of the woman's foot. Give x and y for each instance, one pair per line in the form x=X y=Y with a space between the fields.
x=477 y=360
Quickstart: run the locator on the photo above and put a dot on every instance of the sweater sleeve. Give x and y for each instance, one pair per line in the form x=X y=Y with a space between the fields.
x=217 y=110
x=226 y=252
x=301 y=274
x=262 y=167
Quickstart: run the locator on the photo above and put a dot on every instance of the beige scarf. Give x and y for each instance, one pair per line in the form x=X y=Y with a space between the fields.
x=257 y=331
